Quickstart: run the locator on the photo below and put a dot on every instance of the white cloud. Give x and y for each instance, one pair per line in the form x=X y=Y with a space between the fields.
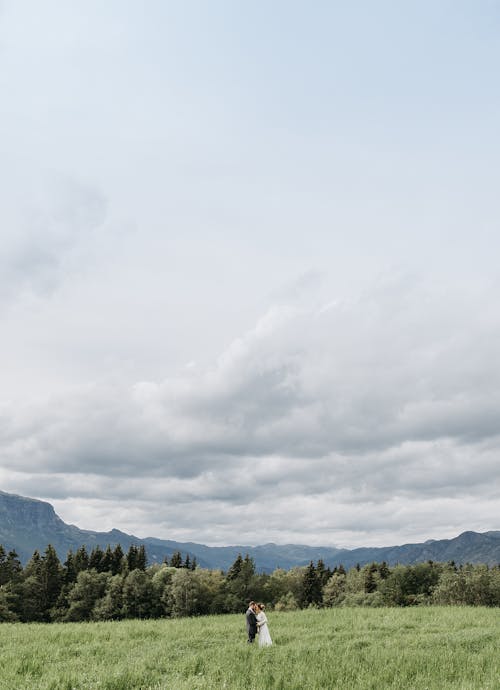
x=44 y=241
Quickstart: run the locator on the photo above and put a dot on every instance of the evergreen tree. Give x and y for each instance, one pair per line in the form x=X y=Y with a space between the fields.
x=4 y=576
x=69 y=572
x=311 y=587
x=118 y=560
x=235 y=570
x=187 y=562
x=7 y=613
x=141 y=560
x=30 y=606
x=194 y=564
x=383 y=571
x=33 y=566
x=107 y=561
x=96 y=559
x=10 y=567
x=240 y=583
x=81 y=560
x=51 y=578
x=176 y=560
x=324 y=574
x=131 y=557
x=370 y=580
x=248 y=568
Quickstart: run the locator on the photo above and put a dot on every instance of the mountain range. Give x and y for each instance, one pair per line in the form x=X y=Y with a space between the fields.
x=27 y=524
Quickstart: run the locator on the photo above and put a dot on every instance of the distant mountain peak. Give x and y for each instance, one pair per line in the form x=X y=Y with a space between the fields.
x=27 y=524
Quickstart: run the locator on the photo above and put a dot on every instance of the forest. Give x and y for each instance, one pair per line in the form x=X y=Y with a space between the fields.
x=112 y=585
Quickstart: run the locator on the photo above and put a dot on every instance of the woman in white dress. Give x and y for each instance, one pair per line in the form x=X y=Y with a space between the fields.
x=262 y=627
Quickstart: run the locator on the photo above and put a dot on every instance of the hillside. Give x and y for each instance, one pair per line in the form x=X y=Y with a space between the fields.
x=27 y=524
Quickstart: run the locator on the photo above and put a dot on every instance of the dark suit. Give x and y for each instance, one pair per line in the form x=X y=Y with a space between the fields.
x=251 y=625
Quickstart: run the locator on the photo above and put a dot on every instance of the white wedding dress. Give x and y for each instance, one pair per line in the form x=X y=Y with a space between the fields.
x=264 y=636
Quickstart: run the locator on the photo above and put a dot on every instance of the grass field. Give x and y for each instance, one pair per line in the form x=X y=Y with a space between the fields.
x=433 y=648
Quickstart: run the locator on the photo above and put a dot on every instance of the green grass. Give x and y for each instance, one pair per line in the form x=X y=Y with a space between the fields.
x=419 y=648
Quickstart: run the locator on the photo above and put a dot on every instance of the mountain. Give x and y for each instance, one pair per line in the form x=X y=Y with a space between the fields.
x=27 y=524
x=468 y=547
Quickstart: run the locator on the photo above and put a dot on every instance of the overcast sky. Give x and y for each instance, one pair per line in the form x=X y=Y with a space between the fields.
x=249 y=267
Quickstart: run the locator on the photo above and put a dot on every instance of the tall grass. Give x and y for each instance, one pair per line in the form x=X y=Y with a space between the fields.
x=432 y=648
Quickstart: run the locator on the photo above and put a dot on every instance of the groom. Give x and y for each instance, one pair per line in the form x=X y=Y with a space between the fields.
x=251 y=621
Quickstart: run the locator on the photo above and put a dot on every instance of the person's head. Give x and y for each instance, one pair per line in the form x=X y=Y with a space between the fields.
x=251 y=605
x=256 y=608
x=262 y=607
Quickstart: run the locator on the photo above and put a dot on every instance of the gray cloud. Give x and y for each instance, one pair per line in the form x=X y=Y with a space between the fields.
x=359 y=403
x=363 y=404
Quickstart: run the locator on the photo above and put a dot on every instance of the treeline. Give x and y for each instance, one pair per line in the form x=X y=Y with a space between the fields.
x=111 y=585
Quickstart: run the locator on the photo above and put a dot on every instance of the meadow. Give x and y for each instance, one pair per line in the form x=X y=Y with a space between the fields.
x=418 y=648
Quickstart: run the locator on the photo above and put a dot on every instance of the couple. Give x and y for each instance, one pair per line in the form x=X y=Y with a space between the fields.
x=257 y=624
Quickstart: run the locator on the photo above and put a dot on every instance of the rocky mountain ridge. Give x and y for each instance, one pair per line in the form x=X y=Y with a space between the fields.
x=27 y=524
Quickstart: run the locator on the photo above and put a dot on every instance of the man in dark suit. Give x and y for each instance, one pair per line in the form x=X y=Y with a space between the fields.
x=251 y=621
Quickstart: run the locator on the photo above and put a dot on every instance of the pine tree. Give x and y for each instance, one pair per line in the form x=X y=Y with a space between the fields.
x=176 y=560
x=31 y=592
x=132 y=554
x=239 y=583
x=96 y=559
x=7 y=613
x=311 y=587
x=383 y=571
x=51 y=577
x=33 y=566
x=235 y=570
x=14 y=567
x=10 y=567
x=324 y=574
x=141 y=559
x=117 y=563
x=81 y=561
x=248 y=567
x=107 y=560
x=194 y=564
x=187 y=562
x=370 y=581
x=4 y=577
x=69 y=572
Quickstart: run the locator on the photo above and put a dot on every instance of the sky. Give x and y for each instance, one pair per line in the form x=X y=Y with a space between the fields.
x=249 y=276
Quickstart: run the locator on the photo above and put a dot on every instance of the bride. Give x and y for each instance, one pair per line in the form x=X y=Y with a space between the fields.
x=262 y=628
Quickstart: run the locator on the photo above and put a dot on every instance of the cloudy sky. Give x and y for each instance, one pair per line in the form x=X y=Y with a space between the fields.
x=249 y=267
